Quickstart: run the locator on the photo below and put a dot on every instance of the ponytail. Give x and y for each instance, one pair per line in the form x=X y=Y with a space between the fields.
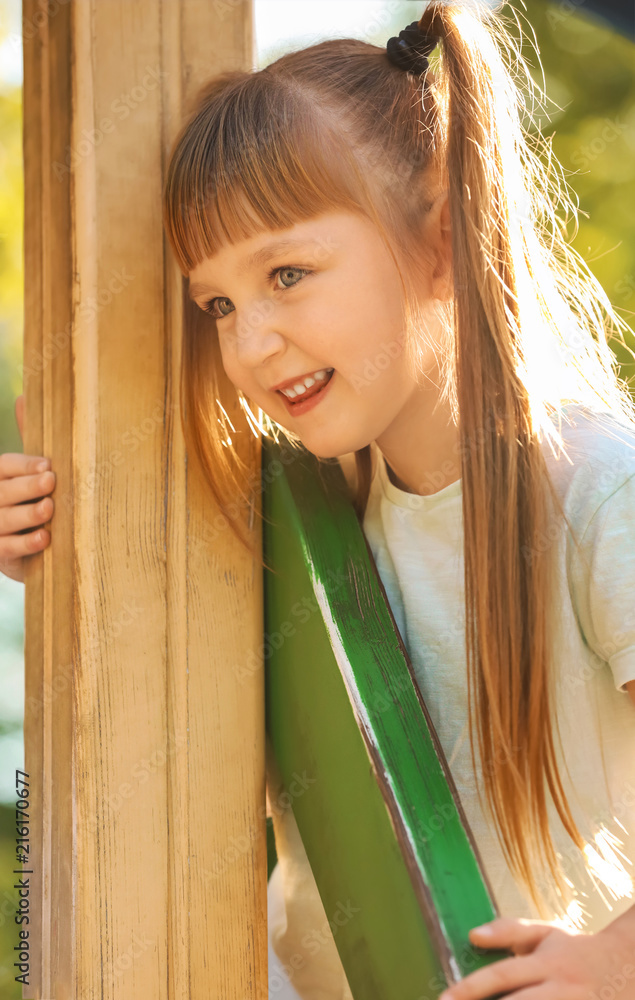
x=505 y=484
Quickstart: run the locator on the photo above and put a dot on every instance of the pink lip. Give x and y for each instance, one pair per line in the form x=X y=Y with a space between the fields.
x=304 y=405
x=292 y=381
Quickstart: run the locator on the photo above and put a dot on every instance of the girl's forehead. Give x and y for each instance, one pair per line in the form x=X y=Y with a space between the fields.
x=244 y=255
x=316 y=235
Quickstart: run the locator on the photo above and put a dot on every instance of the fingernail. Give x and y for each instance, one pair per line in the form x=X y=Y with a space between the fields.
x=483 y=929
x=42 y=466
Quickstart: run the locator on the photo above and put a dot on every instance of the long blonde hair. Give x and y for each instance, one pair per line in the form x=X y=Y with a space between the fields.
x=336 y=125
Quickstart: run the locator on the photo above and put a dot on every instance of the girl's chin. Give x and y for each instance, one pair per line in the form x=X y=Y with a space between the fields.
x=317 y=441
x=330 y=446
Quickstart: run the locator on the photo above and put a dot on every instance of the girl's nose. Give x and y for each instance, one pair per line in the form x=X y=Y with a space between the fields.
x=257 y=338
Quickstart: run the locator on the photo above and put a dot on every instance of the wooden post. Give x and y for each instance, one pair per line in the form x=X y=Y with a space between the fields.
x=145 y=755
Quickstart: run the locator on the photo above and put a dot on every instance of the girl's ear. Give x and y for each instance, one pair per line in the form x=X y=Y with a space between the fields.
x=439 y=242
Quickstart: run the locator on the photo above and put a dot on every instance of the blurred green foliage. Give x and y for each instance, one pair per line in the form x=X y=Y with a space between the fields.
x=11 y=267
x=589 y=74
x=9 y=989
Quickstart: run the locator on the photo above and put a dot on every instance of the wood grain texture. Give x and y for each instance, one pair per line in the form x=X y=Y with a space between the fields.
x=146 y=757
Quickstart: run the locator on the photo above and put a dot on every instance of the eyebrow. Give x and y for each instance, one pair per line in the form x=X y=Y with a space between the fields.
x=260 y=257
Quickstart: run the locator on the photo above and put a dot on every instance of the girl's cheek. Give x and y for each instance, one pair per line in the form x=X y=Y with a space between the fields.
x=233 y=373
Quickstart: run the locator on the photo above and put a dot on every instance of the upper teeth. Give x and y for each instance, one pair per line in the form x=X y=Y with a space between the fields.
x=301 y=387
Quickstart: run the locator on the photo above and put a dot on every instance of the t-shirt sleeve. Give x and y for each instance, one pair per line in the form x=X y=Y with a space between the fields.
x=603 y=583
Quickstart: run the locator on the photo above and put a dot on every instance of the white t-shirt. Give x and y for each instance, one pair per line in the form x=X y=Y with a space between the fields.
x=417 y=543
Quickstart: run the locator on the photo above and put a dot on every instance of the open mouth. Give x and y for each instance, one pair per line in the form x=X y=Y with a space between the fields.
x=309 y=393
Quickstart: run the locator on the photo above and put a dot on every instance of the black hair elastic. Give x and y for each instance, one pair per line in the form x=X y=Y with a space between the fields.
x=411 y=48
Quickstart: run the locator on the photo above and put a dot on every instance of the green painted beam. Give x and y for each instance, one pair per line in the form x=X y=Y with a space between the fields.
x=381 y=821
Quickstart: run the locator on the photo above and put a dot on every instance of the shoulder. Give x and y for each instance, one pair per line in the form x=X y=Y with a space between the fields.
x=597 y=461
x=597 y=482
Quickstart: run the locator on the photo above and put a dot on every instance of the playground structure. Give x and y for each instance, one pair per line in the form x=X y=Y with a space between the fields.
x=145 y=758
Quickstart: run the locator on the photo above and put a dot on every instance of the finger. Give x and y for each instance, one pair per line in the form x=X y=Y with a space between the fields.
x=548 y=991
x=19 y=415
x=25 y=516
x=521 y=935
x=24 y=488
x=14 y=463
x=14 y=547
x=497 y=979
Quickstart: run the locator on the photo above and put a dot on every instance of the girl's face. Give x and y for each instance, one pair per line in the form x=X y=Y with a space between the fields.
x=324 y=294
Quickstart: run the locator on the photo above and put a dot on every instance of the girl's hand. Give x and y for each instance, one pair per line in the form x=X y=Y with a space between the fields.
x=22 y=484
x=555 y=964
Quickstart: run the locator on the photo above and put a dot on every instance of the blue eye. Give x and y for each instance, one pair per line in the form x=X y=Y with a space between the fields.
x=281 y=271
x=209 y=307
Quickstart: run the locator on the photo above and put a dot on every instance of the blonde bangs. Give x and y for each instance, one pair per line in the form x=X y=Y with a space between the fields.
x=241 y=168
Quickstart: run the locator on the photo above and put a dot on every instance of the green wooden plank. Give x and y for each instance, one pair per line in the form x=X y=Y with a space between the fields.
x=380 y=818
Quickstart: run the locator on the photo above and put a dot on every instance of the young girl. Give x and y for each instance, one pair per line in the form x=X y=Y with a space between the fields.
x=386 y=281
